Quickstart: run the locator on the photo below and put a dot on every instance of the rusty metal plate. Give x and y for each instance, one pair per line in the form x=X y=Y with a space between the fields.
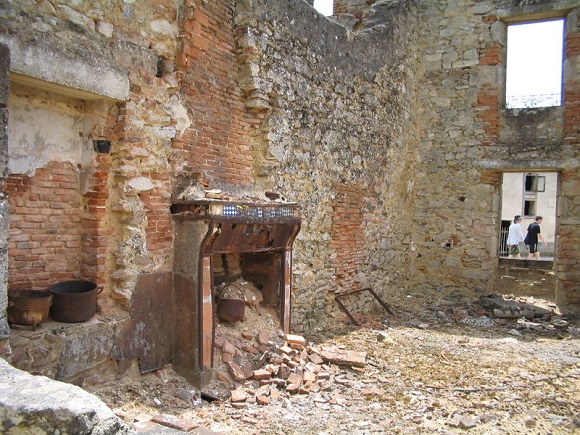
x=148 y=334
x=244 y=237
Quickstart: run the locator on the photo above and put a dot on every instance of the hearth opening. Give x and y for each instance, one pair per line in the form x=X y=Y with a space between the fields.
x=261 y=270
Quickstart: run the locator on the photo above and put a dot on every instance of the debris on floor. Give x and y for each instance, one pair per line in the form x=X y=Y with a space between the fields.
x=424 y=370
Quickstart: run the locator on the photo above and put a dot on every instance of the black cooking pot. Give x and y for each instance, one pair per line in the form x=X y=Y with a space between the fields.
x=73 y=301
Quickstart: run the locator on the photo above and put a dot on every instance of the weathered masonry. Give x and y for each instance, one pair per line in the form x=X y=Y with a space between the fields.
x=376 y=138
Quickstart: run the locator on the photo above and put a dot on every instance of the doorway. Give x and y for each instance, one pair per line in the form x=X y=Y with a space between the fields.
x=529 y=194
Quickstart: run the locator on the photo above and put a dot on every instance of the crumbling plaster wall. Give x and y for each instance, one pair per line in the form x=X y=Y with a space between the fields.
x=93 y=52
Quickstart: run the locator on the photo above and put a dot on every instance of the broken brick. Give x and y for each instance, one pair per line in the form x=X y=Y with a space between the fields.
x=344 y=357
x=174 y=422
x=261 y=374
x=263 y=338
x=238 y=395
x=236 y=372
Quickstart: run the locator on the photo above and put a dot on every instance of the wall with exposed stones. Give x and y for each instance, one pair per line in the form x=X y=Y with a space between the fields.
x=470 y=139
x=4 y=207
x=336 y=139
x=386 y=124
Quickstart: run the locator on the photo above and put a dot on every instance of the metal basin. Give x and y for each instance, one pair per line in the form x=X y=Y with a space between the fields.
x=28 y=307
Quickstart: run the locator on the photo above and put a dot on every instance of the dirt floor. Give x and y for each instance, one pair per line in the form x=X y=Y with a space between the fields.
x=496 y=365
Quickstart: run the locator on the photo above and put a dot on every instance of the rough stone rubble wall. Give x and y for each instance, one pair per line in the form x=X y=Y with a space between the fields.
x=469 y=139
x=4 y=207
x=336 y=140
x=394 y=133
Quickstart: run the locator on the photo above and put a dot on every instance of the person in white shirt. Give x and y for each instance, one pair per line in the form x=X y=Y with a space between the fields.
x=515 y=237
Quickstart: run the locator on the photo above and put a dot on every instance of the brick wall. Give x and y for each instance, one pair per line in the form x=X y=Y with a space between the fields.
x=572 y=94
x=348 y=238
x=93 y=229
x=488 y=102
x=45 y=241
x=218 y=141
x=159 y=230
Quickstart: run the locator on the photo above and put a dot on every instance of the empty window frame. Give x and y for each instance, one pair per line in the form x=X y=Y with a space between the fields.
x=530 y=207
x=534 y=64
x=534 y=183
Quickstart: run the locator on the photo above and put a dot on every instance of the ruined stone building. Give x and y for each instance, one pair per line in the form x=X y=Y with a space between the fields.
x=156 y=147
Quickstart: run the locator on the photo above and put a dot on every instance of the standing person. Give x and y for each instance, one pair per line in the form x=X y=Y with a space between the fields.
x=515 y=237
x=532 y=238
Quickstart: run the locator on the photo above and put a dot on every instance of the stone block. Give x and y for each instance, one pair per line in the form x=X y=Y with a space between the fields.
x=3 y=141
x=85 y=347
x=37 y=404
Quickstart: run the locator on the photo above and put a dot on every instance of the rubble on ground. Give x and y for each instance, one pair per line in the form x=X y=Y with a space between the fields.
x=423 y=370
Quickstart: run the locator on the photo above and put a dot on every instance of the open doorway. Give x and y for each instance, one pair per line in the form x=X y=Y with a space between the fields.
x=529 y=194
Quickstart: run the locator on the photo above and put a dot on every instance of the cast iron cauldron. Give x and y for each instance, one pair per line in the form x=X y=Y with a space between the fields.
x=73 y=301
x=28 y=307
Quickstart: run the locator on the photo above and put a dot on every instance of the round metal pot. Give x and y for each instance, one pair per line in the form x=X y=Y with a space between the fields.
x=231 y=310
x=28 y=307
x=73 y=301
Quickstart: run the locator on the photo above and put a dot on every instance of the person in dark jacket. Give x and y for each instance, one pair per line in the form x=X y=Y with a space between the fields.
x=532 y=238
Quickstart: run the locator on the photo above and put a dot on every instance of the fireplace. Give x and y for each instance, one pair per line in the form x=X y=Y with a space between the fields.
x=216 y=242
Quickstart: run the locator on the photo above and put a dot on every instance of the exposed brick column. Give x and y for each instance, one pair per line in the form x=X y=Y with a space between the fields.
x=567 y=252
x=94 y=231
x=572 y=94
x=348 y=239
x=488 y=101
x=157 y=205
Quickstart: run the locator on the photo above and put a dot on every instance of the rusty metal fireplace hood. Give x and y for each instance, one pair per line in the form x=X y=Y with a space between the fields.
x=242 y=226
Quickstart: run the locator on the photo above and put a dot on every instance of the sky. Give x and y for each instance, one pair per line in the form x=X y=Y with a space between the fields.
x=534 y=59
x=324 y=7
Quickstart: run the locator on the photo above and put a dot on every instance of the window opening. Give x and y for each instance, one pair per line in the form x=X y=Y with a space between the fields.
x=535 y=183
x=325 y=7
x=529 y=207
x=534 y=64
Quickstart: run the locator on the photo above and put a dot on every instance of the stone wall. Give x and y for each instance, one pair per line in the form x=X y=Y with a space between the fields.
x=336 y=138
x=567 y=270
x=469 y=139
x=4 y=207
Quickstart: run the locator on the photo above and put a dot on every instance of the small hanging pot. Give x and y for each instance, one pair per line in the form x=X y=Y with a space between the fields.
x=231 y=303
